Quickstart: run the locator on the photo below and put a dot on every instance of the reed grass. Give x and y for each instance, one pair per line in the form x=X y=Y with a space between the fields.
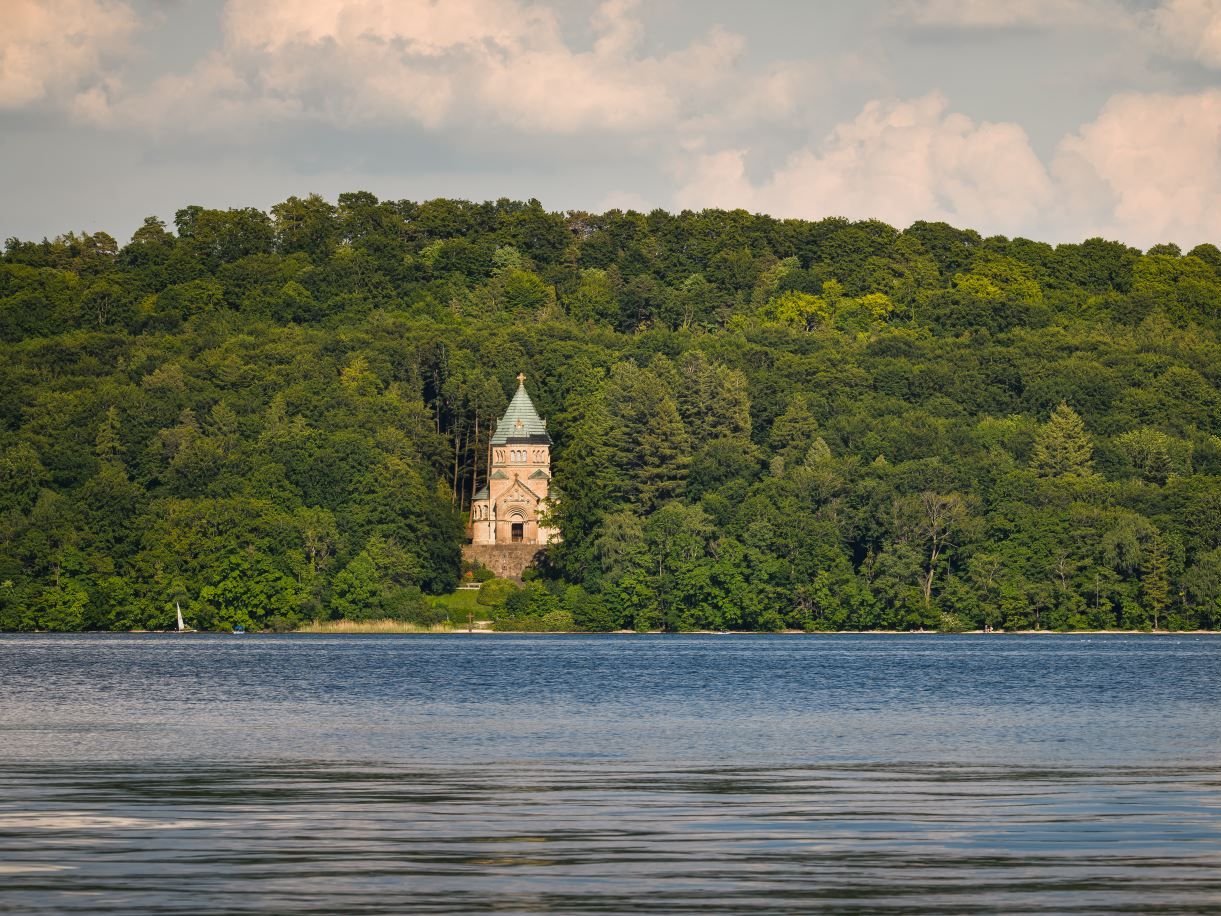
x=374 y=626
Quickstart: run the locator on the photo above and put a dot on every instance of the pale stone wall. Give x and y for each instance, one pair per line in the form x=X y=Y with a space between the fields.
x=506 y=561
x=515 y=497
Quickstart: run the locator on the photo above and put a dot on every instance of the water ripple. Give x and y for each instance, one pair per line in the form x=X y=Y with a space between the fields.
x=811 y=776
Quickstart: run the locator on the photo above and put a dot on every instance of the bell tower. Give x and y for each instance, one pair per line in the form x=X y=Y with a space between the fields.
x=511 y=508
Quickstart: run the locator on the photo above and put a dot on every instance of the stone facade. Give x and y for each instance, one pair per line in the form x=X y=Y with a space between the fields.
x=506 y=561
x=512 y=508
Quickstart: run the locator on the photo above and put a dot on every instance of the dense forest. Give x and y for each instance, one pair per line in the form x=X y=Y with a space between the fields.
x=758 y=423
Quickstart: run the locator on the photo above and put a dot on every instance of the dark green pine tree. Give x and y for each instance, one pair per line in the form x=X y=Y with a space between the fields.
x=653 y=450
x=794 y=431
x=585 y=485
x=712 y=400
x=1155 y=580
x=107 y=445
x=1063 y=447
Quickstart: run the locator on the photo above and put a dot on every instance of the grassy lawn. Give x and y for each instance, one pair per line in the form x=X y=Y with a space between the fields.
x=460 y=605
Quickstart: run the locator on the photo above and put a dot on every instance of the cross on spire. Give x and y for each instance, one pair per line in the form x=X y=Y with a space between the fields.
x=520 y=418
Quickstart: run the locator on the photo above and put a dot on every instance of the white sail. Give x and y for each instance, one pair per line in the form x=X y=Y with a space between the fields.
x=178 y=608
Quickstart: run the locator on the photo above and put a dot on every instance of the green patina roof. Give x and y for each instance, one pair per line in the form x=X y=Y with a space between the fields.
x=521 y=421
x=540 y=474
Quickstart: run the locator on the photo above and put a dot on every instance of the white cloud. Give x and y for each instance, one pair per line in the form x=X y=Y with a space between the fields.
x=1187 y=29
x=1191 y=29
x=898 y=161
x=1148 y=169
x=420 y=27
x=1145 y=169
x=460 y=63
x=997 y=14
x=60 y=49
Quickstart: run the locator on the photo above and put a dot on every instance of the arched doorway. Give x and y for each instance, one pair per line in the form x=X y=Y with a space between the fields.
x=517 y=526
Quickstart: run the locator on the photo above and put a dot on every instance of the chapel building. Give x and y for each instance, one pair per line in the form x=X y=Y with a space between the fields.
x=512 y=507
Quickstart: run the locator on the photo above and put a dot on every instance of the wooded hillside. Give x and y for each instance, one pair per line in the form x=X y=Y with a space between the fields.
x=759 y=423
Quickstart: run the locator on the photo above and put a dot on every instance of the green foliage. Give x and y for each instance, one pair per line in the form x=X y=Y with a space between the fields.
x=493 y=592
x=798 y=309
x=758 y=423
x=1062 y=447
x=594 y=298
x=1155 y=456
x=380 y=584
x=650 y=442
x=588 y=610
x=477 y=572
x=247 y=590
x=532 y=608
x=61 y=607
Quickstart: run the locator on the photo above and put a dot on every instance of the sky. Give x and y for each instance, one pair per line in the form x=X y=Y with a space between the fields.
x=1056 y=120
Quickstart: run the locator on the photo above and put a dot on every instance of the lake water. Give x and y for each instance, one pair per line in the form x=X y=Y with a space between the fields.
x=383 y=774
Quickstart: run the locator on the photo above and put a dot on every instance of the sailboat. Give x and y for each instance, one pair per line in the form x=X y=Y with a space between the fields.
x=182 y=627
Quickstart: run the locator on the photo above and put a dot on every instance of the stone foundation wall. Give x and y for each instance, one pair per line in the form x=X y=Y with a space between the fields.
x=506 y=561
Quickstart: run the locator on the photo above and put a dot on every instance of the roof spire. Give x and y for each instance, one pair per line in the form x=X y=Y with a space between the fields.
x=521 y=421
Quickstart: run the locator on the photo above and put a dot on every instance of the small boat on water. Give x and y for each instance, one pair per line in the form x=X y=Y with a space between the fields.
x=239 y=630
x=182 y=627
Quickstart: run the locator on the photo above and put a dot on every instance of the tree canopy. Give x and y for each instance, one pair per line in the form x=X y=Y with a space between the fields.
x=758 y=423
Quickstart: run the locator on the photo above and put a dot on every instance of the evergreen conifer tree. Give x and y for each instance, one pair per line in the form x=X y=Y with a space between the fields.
x=1155 y=582
x=660 y=454
x=585 y=484
x=651 y=441
x=107 y=445
x=795 y=430
x=712 y=399
x=1062 y=447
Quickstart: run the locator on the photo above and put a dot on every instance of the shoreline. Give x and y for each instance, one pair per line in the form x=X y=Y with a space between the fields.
x=465 y=632
x=407 y=630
